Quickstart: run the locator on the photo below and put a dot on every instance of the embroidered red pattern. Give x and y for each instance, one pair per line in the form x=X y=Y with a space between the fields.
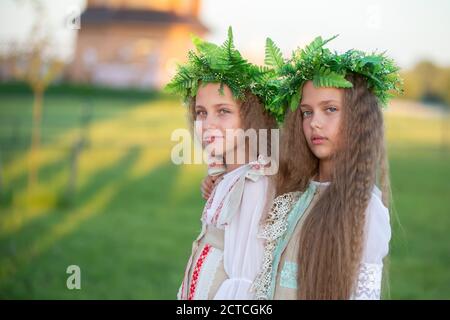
x=197 y=269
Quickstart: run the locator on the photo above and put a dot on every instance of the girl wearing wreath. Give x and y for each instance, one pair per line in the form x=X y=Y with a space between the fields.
x=328 y=231
x=225 y=94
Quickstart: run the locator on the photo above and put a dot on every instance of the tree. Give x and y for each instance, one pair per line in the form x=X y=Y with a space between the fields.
x=35 y=65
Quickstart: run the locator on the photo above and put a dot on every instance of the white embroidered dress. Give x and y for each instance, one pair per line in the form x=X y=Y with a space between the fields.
x=278 y=277
x=236 y=207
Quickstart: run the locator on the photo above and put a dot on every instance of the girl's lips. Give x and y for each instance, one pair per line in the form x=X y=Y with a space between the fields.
x=209 y=140
x=317 y=140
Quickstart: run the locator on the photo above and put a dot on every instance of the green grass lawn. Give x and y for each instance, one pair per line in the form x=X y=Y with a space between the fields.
x=134 y=215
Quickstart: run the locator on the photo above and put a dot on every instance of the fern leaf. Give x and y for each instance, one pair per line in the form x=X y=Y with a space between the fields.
x=317 y=43
x=295 y=100
x=327 y=78
x=273 y=55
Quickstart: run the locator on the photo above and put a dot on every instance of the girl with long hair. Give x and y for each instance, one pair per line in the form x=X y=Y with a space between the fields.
x=328 y=230
x=225 y=94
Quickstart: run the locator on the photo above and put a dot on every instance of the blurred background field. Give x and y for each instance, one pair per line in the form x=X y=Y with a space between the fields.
x=106 y=195
x=135 y=214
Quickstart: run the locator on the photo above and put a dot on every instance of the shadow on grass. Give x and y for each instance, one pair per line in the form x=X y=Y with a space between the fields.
x=135 y=248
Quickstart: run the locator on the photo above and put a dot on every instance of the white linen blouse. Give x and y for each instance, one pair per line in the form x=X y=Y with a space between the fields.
x=237 y=207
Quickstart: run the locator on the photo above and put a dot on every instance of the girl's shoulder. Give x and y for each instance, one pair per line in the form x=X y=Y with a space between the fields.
x=261 y=169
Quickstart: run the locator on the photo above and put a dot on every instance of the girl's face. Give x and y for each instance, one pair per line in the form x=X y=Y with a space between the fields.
x=322 y=112
x=218 y=114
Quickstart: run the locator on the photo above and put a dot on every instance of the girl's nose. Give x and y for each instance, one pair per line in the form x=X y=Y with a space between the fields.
x=316 y=122
x=209 y=123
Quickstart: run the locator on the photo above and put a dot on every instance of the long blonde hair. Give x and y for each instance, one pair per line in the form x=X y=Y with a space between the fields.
x=331 y=238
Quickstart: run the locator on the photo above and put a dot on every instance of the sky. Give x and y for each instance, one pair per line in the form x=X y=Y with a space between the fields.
x=408 y=30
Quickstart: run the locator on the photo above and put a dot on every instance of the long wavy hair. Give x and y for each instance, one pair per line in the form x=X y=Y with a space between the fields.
x=331 y=238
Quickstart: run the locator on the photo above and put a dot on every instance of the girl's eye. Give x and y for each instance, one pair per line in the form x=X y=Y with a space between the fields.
x=306 y=114
x=200 y=113
x=332 y=109
x=223 y=111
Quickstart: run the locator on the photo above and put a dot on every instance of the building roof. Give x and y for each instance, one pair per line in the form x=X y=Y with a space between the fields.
x=104 y=15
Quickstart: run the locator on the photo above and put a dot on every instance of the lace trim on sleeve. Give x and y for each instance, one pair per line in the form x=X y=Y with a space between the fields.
x=368 y=285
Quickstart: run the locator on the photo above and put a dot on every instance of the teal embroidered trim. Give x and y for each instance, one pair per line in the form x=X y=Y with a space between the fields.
x=294 y=216
x=288 y=276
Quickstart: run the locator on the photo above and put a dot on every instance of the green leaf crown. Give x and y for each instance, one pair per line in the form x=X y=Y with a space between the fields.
x=211 y=63
x=327 y=69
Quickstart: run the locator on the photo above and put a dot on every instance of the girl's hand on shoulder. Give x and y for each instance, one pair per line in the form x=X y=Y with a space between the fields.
x=208 y=184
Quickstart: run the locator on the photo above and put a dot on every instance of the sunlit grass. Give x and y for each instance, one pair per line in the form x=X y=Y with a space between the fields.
x=135 y=214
